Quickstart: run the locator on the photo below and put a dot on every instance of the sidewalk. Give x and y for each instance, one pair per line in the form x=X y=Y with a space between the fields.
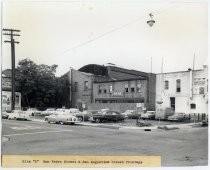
x=150 y=128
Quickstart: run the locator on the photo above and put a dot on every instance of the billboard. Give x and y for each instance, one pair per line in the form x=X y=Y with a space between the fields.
x=7 y=98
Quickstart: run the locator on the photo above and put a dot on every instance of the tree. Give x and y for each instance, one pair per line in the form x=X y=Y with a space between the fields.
x=38 y=84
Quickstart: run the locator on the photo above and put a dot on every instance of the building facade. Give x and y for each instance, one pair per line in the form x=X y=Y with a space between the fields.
x=120 y=91
x=6 y=92
x=113 y=84
x=184 y=91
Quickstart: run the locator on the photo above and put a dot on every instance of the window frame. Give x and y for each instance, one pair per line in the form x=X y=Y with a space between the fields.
x=178 y=85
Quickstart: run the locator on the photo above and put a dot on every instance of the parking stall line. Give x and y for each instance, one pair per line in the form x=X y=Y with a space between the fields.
x=19 y=134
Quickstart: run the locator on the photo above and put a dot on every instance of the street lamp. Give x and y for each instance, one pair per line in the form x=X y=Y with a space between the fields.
x=151 y=21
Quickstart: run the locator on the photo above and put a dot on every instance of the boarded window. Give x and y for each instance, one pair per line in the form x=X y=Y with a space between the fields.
x=85 y=85
x=138 y=87
x=99 y=88
x=110 y=89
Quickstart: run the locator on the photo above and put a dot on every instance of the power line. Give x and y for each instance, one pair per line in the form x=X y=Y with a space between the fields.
x=112 y=30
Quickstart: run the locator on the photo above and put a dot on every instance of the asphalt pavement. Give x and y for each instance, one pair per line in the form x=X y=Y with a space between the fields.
x=181 y=147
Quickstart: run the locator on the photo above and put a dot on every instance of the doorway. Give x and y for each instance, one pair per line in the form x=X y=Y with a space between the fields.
x=172 y=101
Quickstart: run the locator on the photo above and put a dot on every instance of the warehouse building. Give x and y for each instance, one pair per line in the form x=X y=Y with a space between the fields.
x=110 y=84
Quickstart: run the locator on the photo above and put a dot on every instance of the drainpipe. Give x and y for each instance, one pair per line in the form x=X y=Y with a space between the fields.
x=70 y=86
x=191 y=84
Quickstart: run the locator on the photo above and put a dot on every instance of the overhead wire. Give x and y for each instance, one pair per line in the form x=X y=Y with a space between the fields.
x=113 y=30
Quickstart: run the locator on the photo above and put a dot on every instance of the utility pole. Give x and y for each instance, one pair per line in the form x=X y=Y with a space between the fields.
x=12 y=34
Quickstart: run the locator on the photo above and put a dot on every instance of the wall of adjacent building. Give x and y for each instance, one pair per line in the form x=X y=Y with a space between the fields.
x=81 y=95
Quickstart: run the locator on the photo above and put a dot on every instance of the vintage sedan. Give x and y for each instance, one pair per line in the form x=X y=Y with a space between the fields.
x=19 y=115
x=148 y=115
x=178 y=117
x=61 y=118
x=107 y=116
x=86 y=114
x=48 y=112
x=4 y=115
x=132 y=114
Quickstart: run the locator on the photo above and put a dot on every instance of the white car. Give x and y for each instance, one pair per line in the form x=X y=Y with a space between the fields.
x=61 y=118
x=48 y=112
x=19 y=115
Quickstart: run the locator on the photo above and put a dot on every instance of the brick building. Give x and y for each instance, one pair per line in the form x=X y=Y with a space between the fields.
x=107 y=84
x=185 y=91
x=113 y=84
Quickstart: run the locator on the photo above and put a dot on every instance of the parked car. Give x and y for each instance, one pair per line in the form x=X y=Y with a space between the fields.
x=61 y=118
x=4 y=115
x=148 y=115
x=178 y=117
x=87 y=114
x=162 y=113
x=107 y=116
x=34 y=111
x=19 y=115
x=132 y=114
x=48 y=111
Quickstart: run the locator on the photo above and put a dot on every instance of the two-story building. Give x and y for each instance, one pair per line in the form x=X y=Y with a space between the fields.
x=184 y=91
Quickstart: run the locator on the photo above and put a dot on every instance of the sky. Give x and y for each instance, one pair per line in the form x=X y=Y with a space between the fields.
x=77 y=33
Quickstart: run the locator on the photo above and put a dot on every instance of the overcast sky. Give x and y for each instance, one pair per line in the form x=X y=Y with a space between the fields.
x=73 y=34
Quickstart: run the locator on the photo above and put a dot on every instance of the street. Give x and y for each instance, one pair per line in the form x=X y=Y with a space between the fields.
x=186 y=147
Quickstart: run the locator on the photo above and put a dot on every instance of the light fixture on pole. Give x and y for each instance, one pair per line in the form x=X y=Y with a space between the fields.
x=151 y=21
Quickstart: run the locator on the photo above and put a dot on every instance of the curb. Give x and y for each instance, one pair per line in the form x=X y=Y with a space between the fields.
x=152 y=128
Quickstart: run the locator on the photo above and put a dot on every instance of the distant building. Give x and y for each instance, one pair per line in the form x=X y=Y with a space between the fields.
x=6 y=91
x=107 y=84
x=184 y=91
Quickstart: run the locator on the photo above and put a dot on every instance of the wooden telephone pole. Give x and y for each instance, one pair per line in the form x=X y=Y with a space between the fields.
x=11 y=33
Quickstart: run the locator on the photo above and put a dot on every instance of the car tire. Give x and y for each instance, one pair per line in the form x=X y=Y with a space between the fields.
x=80 y=119
x=62 y=123
x=97 y=120
x=47 y=120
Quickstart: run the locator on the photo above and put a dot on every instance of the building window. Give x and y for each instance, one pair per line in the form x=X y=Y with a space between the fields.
x=99 y=88
x=178 y=85
x=192 y=106
x=138 y=87
x=110 y=89
x=132 y=89
x=126 y=88
x=76 y=86
x=85 y=85
x=201 y=90
x=104 y=90
x=166 y=85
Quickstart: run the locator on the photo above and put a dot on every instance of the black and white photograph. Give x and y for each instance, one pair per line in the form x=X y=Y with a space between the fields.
x=105 y=78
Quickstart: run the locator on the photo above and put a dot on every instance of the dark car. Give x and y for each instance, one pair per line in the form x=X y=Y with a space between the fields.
x=178 y=117
x=86 y=114
x=107 y=116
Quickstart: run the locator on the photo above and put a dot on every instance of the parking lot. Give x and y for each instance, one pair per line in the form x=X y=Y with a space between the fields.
x=186 y=147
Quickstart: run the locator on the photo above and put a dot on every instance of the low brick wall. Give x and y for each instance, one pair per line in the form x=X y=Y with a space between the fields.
x=121 y=107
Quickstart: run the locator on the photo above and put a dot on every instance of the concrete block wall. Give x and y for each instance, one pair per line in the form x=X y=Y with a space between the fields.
x=120 y=107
